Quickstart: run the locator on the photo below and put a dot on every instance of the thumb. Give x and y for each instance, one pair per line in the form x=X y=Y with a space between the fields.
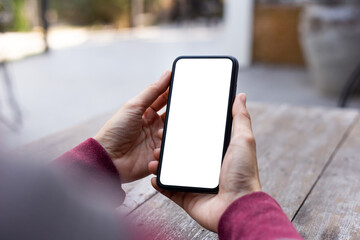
x=241 y=116
x=152 y=92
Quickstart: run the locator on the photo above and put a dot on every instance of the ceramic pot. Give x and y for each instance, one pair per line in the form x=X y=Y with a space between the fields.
x=330 y=38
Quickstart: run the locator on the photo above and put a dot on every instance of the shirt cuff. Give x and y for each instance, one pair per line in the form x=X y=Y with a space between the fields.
x=255 y=216
x=89 y=166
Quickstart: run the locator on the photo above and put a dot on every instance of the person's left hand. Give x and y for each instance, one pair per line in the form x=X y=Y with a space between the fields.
x=129 y=137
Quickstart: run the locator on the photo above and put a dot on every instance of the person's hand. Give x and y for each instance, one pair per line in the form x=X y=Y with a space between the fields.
x=239 y=173
x=130 y=136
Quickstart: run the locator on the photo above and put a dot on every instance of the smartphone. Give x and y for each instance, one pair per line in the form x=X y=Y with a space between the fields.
x=198 y=123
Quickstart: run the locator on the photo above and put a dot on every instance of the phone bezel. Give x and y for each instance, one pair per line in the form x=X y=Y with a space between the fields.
x=227 y=135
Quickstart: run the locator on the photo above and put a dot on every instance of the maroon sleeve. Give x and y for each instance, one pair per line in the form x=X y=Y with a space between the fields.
x=256 y=216
x=91 y=170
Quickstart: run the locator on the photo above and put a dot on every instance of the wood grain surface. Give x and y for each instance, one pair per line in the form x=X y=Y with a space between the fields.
x=170 y=220
x=48 y=148
x=295 y=145
x=332 y=210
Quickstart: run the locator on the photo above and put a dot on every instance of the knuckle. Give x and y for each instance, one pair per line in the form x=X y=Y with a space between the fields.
x=246 y=138
x=249 y=139
x=165 y=96
x=245 y=114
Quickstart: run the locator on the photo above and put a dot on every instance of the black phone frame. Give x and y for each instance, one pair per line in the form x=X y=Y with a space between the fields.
x=227 y=135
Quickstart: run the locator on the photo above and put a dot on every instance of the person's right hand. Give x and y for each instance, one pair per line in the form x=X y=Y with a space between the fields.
x=239 y=173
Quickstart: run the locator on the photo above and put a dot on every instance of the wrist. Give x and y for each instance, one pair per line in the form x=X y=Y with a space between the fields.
x=102 y=141
x=254 y=186
x=232 y=196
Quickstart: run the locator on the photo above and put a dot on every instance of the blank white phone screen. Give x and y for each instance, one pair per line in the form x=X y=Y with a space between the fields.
x=196 y=124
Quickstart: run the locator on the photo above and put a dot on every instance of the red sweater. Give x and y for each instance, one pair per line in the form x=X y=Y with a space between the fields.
x=253 y=216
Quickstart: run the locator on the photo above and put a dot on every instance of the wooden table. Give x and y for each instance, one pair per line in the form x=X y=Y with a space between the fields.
x=309 y=160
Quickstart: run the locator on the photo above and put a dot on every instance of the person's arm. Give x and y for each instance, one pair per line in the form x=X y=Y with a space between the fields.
x=90 y=158
x=256 y=216
x=90 y=169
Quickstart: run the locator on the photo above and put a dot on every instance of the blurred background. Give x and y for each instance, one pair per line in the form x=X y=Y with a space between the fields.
x=65 y=62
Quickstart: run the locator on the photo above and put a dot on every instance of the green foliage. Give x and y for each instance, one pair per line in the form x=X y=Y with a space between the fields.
x=19 y=21
x=87 y=12
x=13 y=16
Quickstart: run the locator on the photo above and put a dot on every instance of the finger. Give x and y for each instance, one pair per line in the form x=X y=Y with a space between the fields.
x=154 y=184
x=163 y=116
x=161 y=101
x=153 y=166
x=157 y=153
x=152 y=92
x=174 y=196
x=241 y=116
x=149 y=115
x=160 y=133
x=177 y=197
